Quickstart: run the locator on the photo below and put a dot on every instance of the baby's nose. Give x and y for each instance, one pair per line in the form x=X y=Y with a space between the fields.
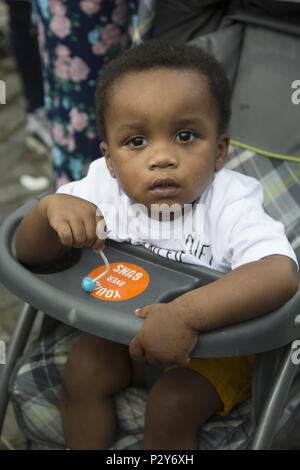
x=163 y=157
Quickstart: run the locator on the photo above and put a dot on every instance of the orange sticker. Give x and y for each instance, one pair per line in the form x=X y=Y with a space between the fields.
x=123 y=281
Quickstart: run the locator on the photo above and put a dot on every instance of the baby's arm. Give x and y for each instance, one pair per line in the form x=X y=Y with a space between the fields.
x=246 y=292
x=170 y=331
x=54 y=225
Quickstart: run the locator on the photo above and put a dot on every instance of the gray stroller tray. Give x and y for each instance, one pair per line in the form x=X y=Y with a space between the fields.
x=59 y=294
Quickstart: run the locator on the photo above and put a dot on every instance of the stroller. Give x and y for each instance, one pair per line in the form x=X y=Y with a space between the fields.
x=258 y=50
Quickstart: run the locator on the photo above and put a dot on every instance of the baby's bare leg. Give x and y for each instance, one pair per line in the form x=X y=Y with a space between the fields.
x=179 y=403
x=96 y=369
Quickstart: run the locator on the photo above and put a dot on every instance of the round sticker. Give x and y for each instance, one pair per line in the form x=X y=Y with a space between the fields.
x=123 y=281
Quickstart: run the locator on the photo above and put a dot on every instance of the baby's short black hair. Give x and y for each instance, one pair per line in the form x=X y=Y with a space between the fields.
x=164 y=54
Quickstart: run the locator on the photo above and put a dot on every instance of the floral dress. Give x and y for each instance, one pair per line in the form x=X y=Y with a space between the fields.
x=76 y=38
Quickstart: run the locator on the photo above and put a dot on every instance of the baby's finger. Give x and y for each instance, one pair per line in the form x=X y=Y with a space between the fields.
x=98 y=245
x=101 y=232
x=182 y=362
x=141 y=312
x=79 y=234
x=90 y=230
x=65 y=234
x=136 y=351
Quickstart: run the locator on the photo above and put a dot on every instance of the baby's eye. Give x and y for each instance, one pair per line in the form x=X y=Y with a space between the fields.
x=137 y=141
x=185 y=136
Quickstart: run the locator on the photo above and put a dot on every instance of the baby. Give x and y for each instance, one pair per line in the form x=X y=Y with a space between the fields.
x=162 y=113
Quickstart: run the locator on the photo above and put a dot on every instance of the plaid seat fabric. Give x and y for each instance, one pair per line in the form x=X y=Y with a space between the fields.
x=35 y=391
x=35 y=386
x=281 y=182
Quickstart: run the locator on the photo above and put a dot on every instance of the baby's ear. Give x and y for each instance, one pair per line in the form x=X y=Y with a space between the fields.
x=105 y=152
x=222 y=150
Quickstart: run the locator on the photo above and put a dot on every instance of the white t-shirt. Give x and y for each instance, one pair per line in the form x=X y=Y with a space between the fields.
x=225 y=228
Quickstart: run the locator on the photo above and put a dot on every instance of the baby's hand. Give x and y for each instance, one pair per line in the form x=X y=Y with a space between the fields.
x=164 y=337
x=75 y=221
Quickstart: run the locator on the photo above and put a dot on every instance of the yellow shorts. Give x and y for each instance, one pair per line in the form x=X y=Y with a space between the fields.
x=231 y=377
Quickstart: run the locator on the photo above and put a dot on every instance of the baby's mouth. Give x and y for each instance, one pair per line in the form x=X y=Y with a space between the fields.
x=164 y=186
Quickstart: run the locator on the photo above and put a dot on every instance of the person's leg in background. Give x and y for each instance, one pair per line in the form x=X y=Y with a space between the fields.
x=23 y=38
x=76 y=39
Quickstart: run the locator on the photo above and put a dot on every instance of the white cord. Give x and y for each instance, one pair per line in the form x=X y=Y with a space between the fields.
x=106 y=264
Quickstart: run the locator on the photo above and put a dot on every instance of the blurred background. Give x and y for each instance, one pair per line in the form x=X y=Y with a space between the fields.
x=25 y=171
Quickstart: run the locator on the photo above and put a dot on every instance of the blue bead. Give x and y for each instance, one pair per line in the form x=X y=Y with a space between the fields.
x=88 y=284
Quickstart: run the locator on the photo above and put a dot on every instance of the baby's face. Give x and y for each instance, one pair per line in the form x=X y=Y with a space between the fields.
x=162 y=139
